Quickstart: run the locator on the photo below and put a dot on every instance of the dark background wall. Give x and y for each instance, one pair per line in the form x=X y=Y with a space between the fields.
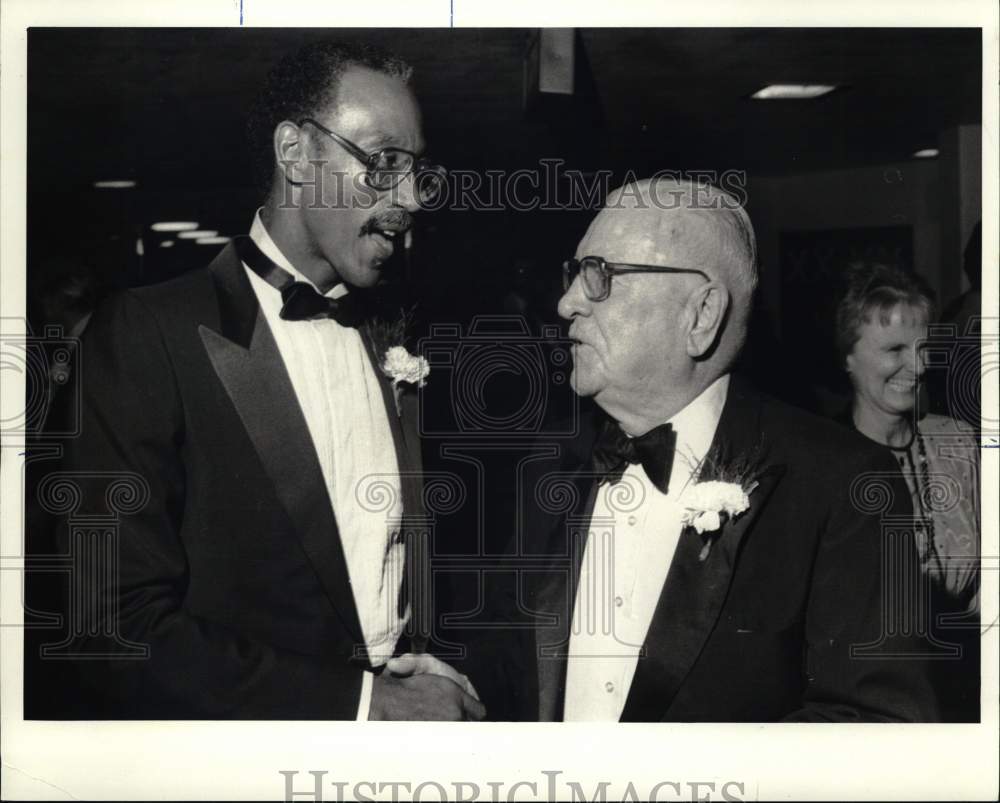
x=166 y=108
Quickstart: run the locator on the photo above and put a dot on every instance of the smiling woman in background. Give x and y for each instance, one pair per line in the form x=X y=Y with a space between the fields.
x=882 y=324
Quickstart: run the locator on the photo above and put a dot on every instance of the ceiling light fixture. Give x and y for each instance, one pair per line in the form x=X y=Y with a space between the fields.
x=167 y=244
x=212 y=240
x=926 y=153
x=174 y=225
x=197 y=233
x=115 y=184
x=792 y=91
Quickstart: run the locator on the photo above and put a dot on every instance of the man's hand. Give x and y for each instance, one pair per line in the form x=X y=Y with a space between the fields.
x=423 y=664
x=411 y=689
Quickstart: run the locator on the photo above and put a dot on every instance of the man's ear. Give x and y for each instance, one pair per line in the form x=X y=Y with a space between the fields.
x=290 y=153
x=707 y=307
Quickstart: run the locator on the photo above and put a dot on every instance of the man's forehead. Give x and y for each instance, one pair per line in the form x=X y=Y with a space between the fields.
x=646 y=236
x=378 y=108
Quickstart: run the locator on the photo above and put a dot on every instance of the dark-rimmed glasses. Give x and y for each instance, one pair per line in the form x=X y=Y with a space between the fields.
x=387 y=167
x=597 y=273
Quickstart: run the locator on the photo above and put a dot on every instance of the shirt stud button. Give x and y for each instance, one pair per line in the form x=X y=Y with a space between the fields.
x=609 y=687
x=631 y=521
x=619 y=602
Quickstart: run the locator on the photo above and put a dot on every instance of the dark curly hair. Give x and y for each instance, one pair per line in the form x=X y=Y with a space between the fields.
x=877 y=289
x=303 y=84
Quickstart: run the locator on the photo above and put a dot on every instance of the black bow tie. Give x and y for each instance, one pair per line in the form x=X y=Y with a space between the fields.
x=300 y=301
x=614 y=451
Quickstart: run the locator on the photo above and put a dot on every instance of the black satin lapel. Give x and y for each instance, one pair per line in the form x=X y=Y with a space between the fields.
x=238 y=305
x=409 y=421
x=417 y=590
x=557 y=596
x=739 y=430
x=688 y=608
x=410 y=485
x=258 y=385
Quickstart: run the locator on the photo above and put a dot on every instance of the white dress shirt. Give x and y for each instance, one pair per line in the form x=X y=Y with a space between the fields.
x=633 y=533
x=342 y=402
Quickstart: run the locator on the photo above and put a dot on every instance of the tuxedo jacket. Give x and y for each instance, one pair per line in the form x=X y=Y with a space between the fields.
x=230 y=595
x=793 y=614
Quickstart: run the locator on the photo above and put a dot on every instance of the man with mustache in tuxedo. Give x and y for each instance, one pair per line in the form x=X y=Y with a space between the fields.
x=712 y=553
x=248 y=402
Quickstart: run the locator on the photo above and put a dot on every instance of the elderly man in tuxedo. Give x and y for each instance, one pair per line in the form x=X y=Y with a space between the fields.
x=251 y=402
x=711 y=554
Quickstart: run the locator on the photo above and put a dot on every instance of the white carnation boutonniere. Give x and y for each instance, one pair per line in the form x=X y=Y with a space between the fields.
x=709 y=505
x=395 y=361
x=720 y=494
x=401 y=366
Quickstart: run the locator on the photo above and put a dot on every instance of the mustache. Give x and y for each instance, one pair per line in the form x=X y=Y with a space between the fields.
x=393 y=220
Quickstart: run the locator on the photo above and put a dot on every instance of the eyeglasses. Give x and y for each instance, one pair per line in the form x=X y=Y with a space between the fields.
x=387 y=167
x=597 y=273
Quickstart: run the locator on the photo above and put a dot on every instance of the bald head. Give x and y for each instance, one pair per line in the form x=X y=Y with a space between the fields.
x=697 y=226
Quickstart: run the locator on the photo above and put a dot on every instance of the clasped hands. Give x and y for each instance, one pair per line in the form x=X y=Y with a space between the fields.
x=421 y=687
